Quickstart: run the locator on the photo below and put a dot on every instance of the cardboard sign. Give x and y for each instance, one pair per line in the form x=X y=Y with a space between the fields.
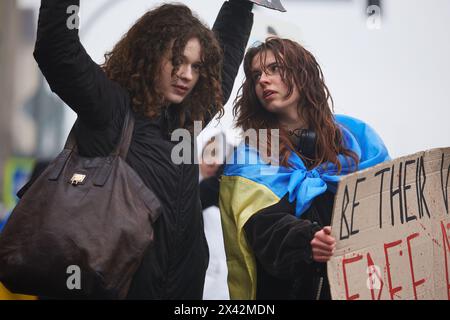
x=271 y=4
x=392 y=226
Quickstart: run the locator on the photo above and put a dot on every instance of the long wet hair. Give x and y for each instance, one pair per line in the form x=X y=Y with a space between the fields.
x=135 y=63
x=299 y=68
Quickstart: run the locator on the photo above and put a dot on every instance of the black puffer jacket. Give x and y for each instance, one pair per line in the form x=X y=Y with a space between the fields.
x=281 y=244
x=174 y=266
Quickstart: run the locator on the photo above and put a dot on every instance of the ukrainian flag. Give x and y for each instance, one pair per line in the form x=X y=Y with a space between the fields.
x=6 y=295
x=249 y=184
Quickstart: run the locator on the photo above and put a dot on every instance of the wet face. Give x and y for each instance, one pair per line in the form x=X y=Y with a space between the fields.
x=177 y=87
x=270 y=88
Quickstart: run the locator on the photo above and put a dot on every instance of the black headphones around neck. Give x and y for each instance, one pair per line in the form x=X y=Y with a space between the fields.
x=304 y=142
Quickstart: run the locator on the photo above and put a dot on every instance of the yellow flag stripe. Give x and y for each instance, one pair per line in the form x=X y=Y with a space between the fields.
x=6 y=295
x=241 y=198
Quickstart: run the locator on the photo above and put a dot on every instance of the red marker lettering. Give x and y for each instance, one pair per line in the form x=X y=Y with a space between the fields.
x=392 y=291
x=344 y=262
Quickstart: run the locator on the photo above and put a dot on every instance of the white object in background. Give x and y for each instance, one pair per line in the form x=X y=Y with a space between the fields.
x=216 y=285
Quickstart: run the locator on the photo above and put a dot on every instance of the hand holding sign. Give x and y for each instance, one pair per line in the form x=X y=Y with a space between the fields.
x=323 y=245
x=271 y=4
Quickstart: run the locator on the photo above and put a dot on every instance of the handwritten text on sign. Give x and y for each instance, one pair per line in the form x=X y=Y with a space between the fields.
x=392 y=223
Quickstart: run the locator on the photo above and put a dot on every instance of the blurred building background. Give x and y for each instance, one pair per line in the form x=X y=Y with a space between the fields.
x=386 y=62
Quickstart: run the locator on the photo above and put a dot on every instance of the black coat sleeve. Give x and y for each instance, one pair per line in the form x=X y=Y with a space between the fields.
x=69 y=70
x=280 y=241
x=209 y=192
x=232 y=28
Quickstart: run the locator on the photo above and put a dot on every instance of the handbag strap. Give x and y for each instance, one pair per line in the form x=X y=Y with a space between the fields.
x=71 y=143
x=124 y=142
x=69 y=147
x=121 y=150
x=127 y=133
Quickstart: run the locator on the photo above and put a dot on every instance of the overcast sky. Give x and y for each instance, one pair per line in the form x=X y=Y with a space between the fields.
x=396 y=78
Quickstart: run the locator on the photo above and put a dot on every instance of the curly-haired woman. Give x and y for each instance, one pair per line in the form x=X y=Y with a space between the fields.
x=168 y=69
x=276 y=211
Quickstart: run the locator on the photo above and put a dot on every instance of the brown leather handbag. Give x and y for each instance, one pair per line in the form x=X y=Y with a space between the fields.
x=81 y=229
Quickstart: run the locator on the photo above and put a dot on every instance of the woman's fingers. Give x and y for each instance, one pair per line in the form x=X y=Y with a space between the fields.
x=321 y=259
x=322 y=236
x=320 y=252
x=315 y=243
x=323 y=245
x=323 y=242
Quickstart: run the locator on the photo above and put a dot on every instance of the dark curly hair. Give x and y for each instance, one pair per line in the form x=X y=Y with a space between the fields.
x=298 y=68
x=135 y=63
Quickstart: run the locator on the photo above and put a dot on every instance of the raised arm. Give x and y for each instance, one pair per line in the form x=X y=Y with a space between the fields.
x=69 y=70
x=232 y=27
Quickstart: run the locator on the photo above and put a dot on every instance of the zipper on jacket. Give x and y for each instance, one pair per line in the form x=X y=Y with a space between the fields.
x=319 y=288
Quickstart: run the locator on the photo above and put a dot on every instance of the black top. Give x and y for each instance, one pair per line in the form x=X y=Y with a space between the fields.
x=210 y=189
x=174 y=266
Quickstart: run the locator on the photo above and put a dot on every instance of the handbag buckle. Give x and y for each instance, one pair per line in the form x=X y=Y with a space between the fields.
x=77 y=179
